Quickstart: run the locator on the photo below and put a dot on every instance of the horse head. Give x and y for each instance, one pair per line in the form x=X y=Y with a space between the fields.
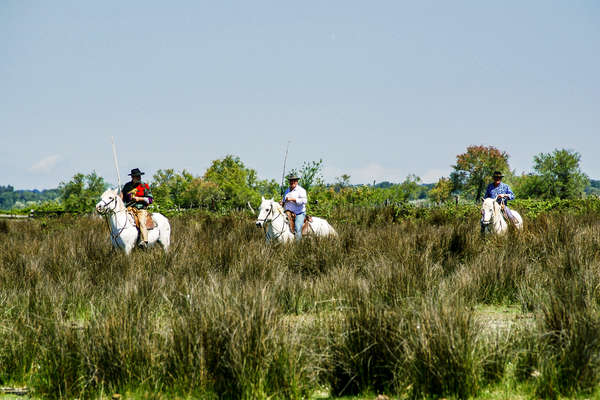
x=488 y=211
x=267 y=211
x=110 y=202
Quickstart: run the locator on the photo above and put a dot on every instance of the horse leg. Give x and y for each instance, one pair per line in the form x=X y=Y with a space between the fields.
x=165 y=239
x=164 y=234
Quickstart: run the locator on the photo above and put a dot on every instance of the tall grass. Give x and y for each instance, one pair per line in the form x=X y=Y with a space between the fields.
x=389 y=306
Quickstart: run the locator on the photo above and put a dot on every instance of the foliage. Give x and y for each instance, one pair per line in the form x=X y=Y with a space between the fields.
x=226 y=185
x=81 y=193
x=558 y=175
x=237 y=183
x=324 y=199
x=442 y=191
x=342 y=181
x=11 y=198
x=201 y=193
x=525 y=186
x=310 y=174
x=168 y=188
x=475 y=167
x=409 y=189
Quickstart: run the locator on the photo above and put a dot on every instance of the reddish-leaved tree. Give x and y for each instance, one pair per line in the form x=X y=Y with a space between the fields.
x=475 y=167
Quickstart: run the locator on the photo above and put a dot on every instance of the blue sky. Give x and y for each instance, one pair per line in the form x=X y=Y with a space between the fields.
x=378 y=90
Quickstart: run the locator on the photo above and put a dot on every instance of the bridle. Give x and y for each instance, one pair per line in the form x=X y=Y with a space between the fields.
x=111 y=210
x=105 y=206
x=495 y=213
x=265 y=220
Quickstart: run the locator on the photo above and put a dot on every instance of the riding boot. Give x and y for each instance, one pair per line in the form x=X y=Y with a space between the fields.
x=142 y=216
x=291 y=220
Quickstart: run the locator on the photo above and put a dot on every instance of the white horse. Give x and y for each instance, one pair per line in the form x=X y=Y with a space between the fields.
x=493 y=220
x=271 y=213
x=123 y=232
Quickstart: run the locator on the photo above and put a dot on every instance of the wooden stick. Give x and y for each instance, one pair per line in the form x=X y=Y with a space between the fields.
x=116 y=162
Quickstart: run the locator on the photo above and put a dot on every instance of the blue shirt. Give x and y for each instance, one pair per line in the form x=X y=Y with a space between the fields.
x=493 y=191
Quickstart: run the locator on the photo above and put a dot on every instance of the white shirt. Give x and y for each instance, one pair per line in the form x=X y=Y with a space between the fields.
x=299 y=194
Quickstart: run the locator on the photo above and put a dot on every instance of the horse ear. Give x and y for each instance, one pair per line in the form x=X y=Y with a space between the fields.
x=262 y=198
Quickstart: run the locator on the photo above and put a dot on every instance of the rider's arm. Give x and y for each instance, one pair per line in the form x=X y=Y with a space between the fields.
x=148 y=198
x=301 y=197
x=511 y=195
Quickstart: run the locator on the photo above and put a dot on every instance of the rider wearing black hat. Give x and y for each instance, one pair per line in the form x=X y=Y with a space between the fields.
x=137 y=197
x=501 y=192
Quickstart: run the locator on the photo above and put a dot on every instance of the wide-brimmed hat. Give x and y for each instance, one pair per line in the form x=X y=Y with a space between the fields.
x=497 y=174
x=293 y=177
x=136 y=172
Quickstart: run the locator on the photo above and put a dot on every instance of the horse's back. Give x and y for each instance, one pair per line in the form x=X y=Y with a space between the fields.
x=321 y=227
x=160 y=219
x=164 y=229
x=518 y=218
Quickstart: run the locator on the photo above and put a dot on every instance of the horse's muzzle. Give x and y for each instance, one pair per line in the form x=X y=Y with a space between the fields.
x=259 y=224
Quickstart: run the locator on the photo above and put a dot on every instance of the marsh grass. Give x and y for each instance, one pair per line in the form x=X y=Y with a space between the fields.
x=392 y=306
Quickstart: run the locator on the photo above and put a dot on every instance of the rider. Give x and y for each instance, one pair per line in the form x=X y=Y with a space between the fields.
x=294 y=202
x=500 y=191
x=137 y=197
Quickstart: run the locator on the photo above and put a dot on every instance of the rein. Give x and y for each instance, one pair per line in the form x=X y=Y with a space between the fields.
x=264 y=221
x=496 y=217
x=106 y=216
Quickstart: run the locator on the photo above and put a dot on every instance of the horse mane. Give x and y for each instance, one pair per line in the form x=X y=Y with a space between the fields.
x=278 y=207
x=495 y=205
x=114 y=192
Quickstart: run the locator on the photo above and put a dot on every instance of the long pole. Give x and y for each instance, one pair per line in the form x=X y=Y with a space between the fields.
x=114 y=148
x=284 y=162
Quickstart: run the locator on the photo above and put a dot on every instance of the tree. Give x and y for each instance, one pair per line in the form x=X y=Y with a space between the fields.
x=82 y=192
x=475 y=167
x=442 y=191
x=168 y=188
x=202 y=193
x=237 y=182
x=226 y=184
x=558 y=175
x=410 y=188
x=309 y=174
x=342 y=182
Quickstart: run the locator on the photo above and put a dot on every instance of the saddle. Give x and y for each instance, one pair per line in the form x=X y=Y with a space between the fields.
x=136 y=217
x=508 y=215
x=291 y=216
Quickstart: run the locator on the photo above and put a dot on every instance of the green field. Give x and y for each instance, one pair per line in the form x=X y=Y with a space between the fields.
x=406 y=307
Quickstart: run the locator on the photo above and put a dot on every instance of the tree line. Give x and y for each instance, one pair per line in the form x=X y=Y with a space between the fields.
x=229 y=184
